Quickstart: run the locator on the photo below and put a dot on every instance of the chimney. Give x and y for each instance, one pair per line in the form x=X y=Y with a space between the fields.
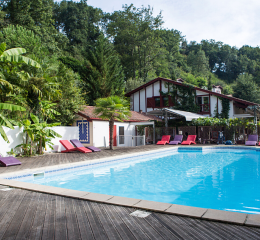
x=180 y=80
x=217 y=89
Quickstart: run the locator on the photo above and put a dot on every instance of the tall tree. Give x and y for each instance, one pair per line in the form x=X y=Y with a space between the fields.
x=133 y=33
x=104 y=72
x=113 y=109
x=78 y=21
x=245 y=88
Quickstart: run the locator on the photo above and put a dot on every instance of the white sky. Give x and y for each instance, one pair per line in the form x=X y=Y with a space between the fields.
x=234 y=22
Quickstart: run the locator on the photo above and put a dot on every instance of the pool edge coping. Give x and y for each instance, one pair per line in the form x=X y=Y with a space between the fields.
x=252 y=220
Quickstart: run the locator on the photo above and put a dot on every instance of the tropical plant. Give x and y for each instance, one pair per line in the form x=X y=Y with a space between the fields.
x=39 y=133
x=15 y=55
x=4 y=121
x=112 y=109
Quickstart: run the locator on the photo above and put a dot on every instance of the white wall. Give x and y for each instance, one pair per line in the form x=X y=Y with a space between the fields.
x=67 y=133
x=100 y=133
x=231 y=110
x=157 y=88
x=16 y=137
x=164 y=87
x=149 y=91
x=136 y=101
x=143 y=100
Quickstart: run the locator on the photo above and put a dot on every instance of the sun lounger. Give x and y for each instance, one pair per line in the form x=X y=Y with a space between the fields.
x=252 y=140
x=177 y=139
x=69 y=147
x=77 y=143
x=9 y=161
x=191 y=139
x=165 y=139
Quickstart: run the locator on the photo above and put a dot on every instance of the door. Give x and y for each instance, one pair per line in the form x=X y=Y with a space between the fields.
x=114 y=136
x=83 y=131
x=121 y=135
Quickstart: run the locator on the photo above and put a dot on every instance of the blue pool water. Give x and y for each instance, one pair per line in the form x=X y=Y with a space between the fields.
x=224 y=179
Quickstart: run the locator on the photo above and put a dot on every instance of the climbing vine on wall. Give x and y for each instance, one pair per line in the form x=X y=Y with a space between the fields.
x=225 y=108
x=183 y=97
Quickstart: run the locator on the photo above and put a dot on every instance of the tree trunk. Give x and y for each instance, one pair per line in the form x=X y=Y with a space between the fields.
x=40 y=145
x=111 y=131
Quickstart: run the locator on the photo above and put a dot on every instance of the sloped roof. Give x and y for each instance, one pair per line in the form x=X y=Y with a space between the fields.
x=88 y=113
x=197 y=88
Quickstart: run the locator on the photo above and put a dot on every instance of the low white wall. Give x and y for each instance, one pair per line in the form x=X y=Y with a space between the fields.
x=100 y=133
x=67 y=133
x=16 y=137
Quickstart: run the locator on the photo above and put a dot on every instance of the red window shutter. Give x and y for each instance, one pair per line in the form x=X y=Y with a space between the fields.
x=150 y=102
x=171 y=102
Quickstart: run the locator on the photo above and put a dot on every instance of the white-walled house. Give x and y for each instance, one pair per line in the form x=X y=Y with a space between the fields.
x=93 y=131
x=148 y=97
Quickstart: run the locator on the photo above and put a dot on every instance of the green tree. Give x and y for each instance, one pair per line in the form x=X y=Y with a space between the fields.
x=199 y=63
x=133 y=33
x=104 y=72
x=113 y=109
x=5 y=121
x=245 y=88
x=78 y=21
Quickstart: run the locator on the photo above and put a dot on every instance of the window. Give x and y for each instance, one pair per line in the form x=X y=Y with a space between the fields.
x=121 y=135
x=165 y=101
x=203 y=102
x=157 y=102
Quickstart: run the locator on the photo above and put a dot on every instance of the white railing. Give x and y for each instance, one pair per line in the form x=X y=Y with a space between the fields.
x=130 y=141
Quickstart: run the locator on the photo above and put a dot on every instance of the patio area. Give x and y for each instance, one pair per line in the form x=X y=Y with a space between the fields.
x=33 y=215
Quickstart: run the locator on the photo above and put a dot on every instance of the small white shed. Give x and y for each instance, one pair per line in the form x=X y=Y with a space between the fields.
x=93 y=131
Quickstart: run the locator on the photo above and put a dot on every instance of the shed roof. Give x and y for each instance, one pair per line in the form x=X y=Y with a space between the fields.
x=88 y=112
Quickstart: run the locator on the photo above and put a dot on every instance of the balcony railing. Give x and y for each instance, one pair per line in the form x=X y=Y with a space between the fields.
x=204 y=108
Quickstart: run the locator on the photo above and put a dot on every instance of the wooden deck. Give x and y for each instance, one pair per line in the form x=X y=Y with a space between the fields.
x=31 y=215
x=73 y=157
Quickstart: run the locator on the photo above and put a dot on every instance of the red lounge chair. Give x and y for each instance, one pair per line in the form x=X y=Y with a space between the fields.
x=191 y=139
x=70 y=148
x=165 y=139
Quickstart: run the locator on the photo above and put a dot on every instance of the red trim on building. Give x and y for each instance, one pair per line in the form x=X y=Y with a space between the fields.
x=196 y=88
x=145 y=100
x=139 y=101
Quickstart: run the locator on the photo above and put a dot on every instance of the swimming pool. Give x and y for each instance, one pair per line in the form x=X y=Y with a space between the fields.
x=224 y=179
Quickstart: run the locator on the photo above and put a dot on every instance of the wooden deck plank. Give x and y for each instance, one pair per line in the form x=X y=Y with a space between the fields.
x=60 y=219
x=10 y=210
x=37 y=226
x=174 y=226
x=109 y=227
x=131 y=224
x=72 y=223
x=149 y=231
x=6 y=197
x=83 y=223
x=226 y=231
x=49 y=226
x=25 y=228
x=96 y=226
x=202 y=230
x=190 y=227
x=123 y=230
x=18 y=217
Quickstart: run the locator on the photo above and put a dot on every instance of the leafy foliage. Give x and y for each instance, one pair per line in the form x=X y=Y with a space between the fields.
x=113 y=109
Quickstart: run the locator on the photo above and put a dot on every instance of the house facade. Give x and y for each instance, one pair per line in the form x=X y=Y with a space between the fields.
x=93 y=131
x=149 y=97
